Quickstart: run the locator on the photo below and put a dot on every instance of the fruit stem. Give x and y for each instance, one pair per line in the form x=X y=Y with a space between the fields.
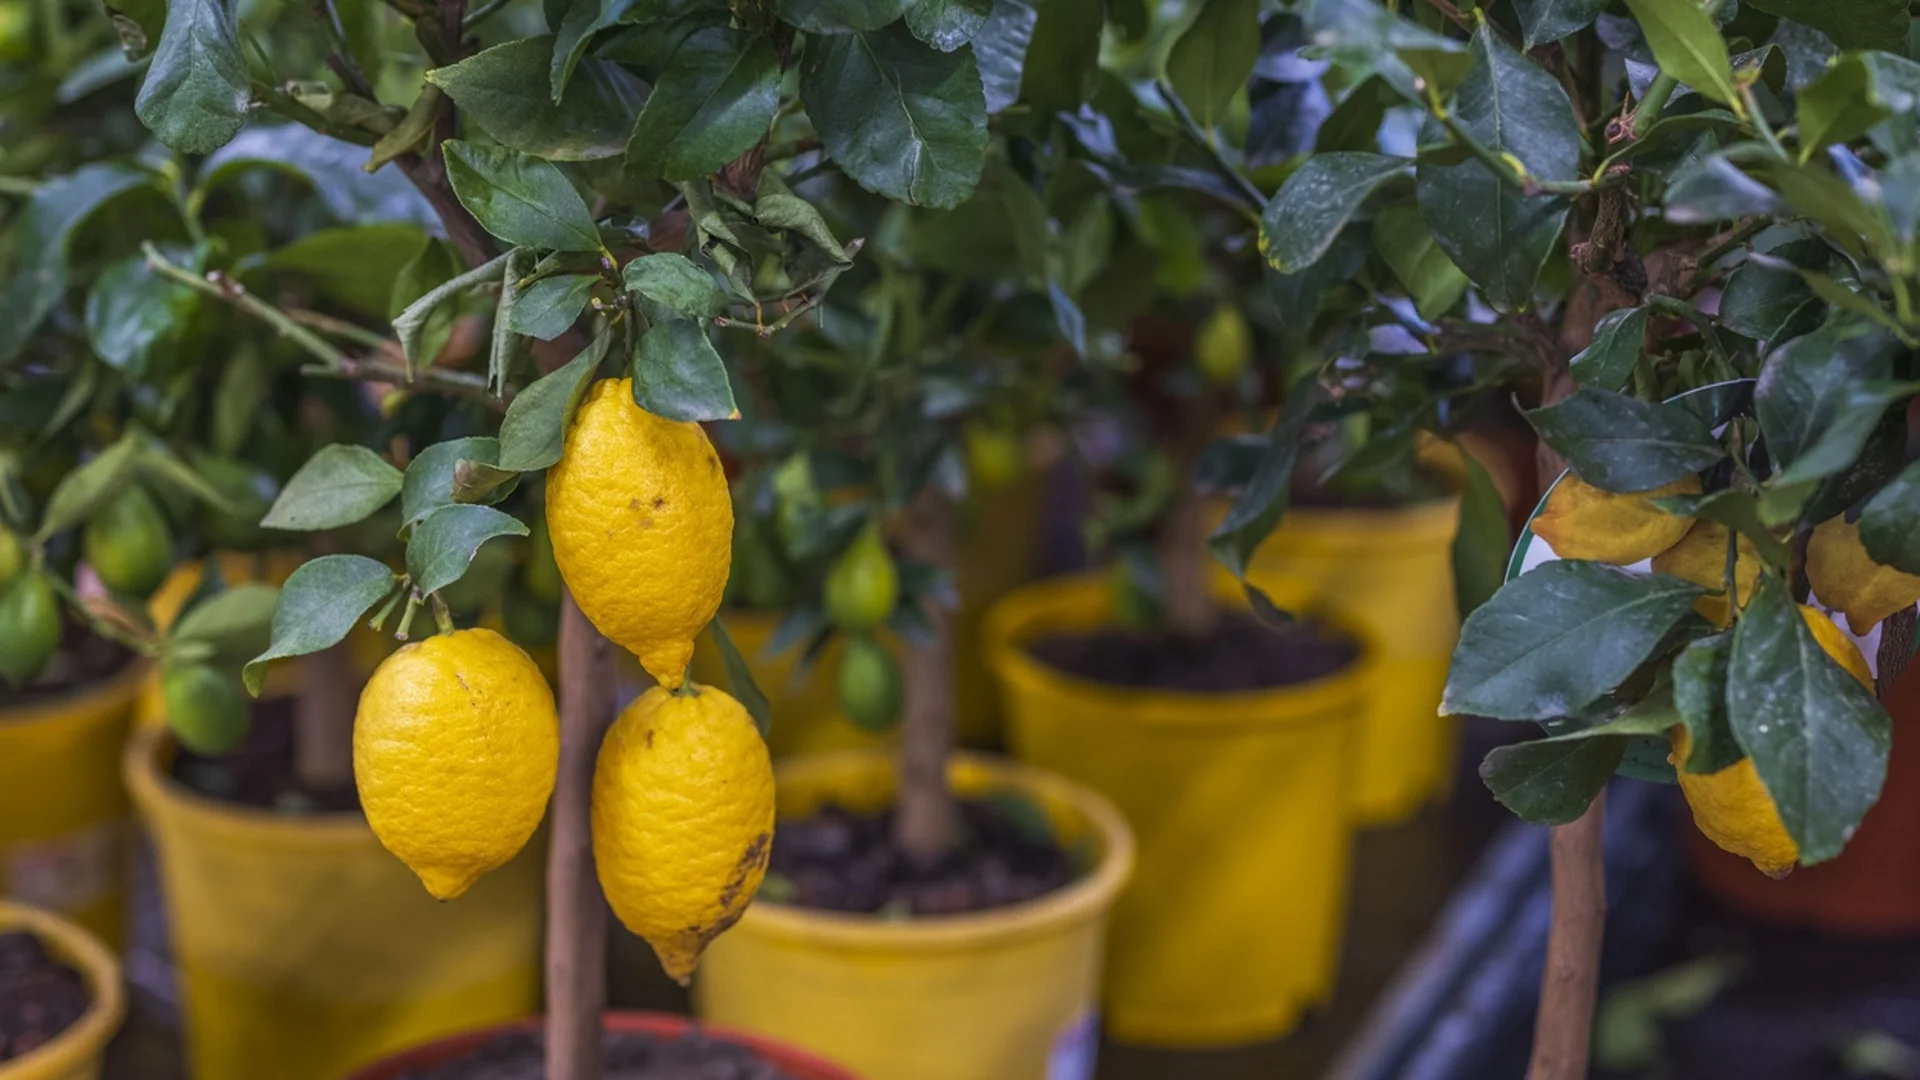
x=442 y=618
x=927 y=818
x=406 y=617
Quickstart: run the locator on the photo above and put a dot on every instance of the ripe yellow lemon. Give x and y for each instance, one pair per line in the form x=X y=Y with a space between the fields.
x=455 y=747
x=642 y=527
x=1846 y=578
x=1732 y=807
x=1583 y=522
x=1701 y=557
x=682 y=819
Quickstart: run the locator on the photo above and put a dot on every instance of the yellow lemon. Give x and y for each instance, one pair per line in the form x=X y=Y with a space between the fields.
x=1847 y=579
x=1732 y=807
x=1583 y=522
x=682 y=819
x=1701 y=557
x=455 y=747
x=642 y=527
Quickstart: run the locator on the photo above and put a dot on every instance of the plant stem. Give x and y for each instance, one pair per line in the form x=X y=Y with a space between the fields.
x=221 y=287
x=1569 y=987
x=576 y=908
x=463 y=384
x=340 y=328
x=1256 y=199
x=323 y=720
x=927 y=818
x=1653 y=103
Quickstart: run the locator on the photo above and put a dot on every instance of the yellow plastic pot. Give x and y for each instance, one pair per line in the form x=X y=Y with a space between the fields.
x=1232 y=926
x=806 y=705
x=63 y=810
x=305 y=950
x=1388 y=570
x=74 y=1054
x=1007 y=995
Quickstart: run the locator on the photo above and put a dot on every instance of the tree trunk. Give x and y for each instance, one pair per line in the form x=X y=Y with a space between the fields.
x=576 y=910
x=323 y=720
x=1186 y=565
x=926 y=819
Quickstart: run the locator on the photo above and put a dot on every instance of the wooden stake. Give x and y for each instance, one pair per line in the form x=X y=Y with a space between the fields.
x=576 y=909
x=927 y=818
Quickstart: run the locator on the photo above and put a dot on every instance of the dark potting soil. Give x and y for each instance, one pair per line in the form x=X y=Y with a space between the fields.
x=840 y=860
x=521 y=1055
x=1240 y=654
x=83 y=661
x=40 y=997
x=261 y=773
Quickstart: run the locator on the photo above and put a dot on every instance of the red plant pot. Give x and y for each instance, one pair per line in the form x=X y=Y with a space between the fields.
x=796 y=1063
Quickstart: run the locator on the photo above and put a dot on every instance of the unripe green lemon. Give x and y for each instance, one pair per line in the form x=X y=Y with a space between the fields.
x=863 y=585
x=128 y=545
x=1224 y=345
x=995 y=456
x=541 y=574
x=13 y=556
x=16 y=31
x=205 y=708
x=29 y=626
x=871 y=689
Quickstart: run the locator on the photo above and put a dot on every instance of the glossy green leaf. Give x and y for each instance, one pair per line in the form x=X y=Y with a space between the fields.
x=88 y=487
x=1818 y=739
x=1481 y=545
x=1890 y=522
x=549 y=307
x=1768 y=302
x=41 y=235
x=535 y=427
x=1689 y=47
x=677 y=282
x=1715 y=189
x=1556 y=639
x=678 y=375
x=1618 y=342
x=1430 y=278
x=444 y=543
x=428 y=483
x=236 y=622
x=133 y=314
x=411 y=324
x=1258 y=507
x=503 y=89
x=1852 y=24
x=320 y=603
x=521 y=199
x=1842 y=106
x=583 y=21
x=1738 y=510
x=947 y=24
x=1000 y=48
x=740 y=680
x=1542 y=21
x=1063 y=55
x=1700 y=695
x=714 y=101
x=1550 y=782
x=1819 y=396
x=195 y=95
x=333 y=168
x=839 y=16
x=901 y=119
x=1212 y=60
x=338 y=485
x=1316 y=202
x=1619 y=443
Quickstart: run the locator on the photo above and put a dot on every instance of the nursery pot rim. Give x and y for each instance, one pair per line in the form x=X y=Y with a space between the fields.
x=1086 y=897
x=1038 y=606
x=151 y=787
x=655 y=1023
x=123 y=685
x=74 y=945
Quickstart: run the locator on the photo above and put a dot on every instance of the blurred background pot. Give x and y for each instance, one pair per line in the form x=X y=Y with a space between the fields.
x=75 y=1053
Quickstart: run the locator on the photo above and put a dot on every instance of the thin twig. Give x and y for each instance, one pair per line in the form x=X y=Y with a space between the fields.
x=221 y=287
x=1256 y=199
x=459 y=384
x=482 y=13
x=341 y=328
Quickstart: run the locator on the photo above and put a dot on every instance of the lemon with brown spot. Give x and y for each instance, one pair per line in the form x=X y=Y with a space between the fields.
x=1583 y=522
x=1732 y=807
x=642 y=527
x=682 y=819
x=455 y=747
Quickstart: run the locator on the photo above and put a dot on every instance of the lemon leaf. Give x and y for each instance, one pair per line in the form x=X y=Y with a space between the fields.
x=1621 y=444
x=1890 y=522
x=1549 y=781
x=444 y=542
x=338 y=485
x=429 y=480
x=740 y=680
x=1700 y=695
x=319 y=604
x=536 y=424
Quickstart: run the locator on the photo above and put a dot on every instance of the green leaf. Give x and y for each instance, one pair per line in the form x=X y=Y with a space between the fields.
x=1700 y=695
x=1499 y=237
x=947 y=24
x=503 y=89
x=444 y=542
x=1890 y=522
x=740 y=681
x=1736 y=509
x=535 y=427
x=839 y=16
x=414 y=133
x=1621 y=444
x=1065 y=49
x=196 y=90
x=1258 y=508
x=410 y=326
x=41 y=235
x=676 y=374
x=1316 y=202
x=1714 y=189
x=133 y=314
x=1430 y=278
x=901 y=119
x=1481 y=545
x=1765 y=301
x=319 y=604
x=428 y=484
x=677 y=282
x=507 y=345
x=1819 y=396
x=775 y=206
x=549 y=307
x=89 y=486
x=355 y=265
x=1852 y=24
x=338 y=485
x=1844 y=105
x=1542 y=21
x=1689 y=47
x=520 y=199
x=1556 y=639
x=236 y=622
x=1000 y=47
x=335 y=170
x=1618 y=341
x=1818 y=739
x=1549 y=782
x=714 y=101
x=1833 y=202
x=1213 y=59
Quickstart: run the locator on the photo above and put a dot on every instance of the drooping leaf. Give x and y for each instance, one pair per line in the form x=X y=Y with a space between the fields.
x=88 y=487
x=535 y=427
x=1852 y=24
x=412 y=323
x=503 y=90
x=549 y=307
x=1700 y=695
x=1618 y=341
x=1258 y=507
x=319 y=605
x=948 y=24
x=1688 y=46
x=1622 y=444
x=333 y=168
x=1549 y=782
x=428 y=483
x=1000 y=47
x=1430 y=278
x=1819 y=396
x=1481 y=545
x=714 y=100
x=740 y=681
x=444 y=542
x=338 y=485
x=903 y=120
x=676 y=281
x=195 y=95
x=521 y=199
x=41 y=235
x=1715 y=189
x=1212 y=60
x=1556 y=639
x=678 y=375
x=1542 y=21
x=1303 y=217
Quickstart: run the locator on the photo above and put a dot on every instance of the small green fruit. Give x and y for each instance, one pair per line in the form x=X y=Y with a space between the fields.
x=1224 y=345
x=13 y=556
x=128 y=545
x=871 y=689
x=29 y=626
x=863 y=584
x=205 y=709
x=995 y=456
x=16 y=31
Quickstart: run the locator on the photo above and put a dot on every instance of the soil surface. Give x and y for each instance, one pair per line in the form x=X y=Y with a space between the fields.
x=40 y=997
x=1241 y=654
x=839 y=860
x=83 y=661
x=261 y=773
x=521 y=1055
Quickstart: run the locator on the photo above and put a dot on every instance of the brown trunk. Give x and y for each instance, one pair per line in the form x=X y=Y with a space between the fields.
x=323 y=720
x=926 y=819
x=1186 y=565
x=576 y=910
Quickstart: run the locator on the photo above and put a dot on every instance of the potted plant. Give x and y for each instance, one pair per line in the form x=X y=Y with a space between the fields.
x=62 y=988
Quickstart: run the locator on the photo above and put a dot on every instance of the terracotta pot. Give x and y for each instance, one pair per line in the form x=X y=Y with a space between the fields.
x=796 y=1063
x=1873 y=888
